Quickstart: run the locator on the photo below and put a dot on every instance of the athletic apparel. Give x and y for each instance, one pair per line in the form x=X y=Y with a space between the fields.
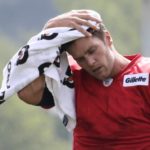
x=47 y=100
x=114 y=114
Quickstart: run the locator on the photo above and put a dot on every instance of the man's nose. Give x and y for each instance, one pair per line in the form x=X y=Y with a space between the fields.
x=90 y=61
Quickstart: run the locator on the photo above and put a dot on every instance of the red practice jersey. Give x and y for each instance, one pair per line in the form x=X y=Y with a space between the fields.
x=114 y=114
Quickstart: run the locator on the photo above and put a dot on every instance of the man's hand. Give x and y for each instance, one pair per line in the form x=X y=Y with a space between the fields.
x=73 y=19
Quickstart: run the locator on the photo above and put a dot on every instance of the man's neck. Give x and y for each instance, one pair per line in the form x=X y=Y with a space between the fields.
x=120 y=63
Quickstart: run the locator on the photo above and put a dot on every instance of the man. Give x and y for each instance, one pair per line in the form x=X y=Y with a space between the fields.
x=111 y=91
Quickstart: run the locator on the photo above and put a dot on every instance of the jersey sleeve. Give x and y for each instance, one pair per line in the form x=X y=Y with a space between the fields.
x=47 y=100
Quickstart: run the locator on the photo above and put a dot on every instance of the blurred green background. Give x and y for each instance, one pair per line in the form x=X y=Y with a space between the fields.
x=25 y=127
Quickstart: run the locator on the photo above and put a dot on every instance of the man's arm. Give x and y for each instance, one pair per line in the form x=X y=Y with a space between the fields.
x=32 y=93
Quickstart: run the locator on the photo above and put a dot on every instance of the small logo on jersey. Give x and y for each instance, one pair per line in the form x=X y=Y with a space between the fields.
x=107 y=82
x=136 y=79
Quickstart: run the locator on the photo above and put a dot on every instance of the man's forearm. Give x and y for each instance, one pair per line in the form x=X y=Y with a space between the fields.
x=32 y=93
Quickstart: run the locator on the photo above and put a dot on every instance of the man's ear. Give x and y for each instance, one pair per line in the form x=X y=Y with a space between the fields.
x=108 y=38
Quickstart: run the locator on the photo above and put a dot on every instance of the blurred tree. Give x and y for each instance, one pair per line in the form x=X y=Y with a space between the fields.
x=25 y=127
x=18 y=16
x=7 y=49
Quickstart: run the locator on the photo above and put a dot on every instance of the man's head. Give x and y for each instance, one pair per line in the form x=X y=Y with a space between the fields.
x=96 y=33
x=94 y=54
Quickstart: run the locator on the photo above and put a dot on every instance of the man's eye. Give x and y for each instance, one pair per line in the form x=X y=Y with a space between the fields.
x=80 y=60
x=91 y=51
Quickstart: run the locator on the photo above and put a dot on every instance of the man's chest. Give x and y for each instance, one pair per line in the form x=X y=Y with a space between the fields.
x=108 y=109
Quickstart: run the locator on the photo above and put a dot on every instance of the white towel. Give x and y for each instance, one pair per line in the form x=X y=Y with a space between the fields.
x=41 y=55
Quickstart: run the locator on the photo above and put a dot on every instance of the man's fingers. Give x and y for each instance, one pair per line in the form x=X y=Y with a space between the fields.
x=87 y=17
x=80 y=29
x=78 y=23
x=85 y=14
x=85 y=23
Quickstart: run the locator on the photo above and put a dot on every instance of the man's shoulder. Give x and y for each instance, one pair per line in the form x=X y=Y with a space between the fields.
x=144 y=63
x=145 y=59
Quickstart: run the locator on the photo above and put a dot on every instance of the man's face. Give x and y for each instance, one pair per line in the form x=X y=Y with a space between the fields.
x=94 y=56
